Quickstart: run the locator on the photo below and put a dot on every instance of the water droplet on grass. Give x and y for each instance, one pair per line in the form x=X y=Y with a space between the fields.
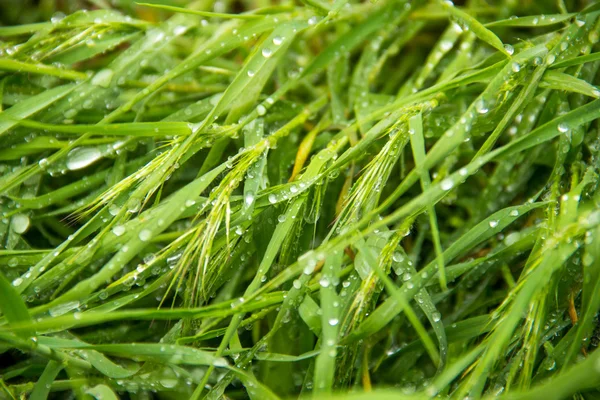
x=145 y=235
x=118 y=230
x=20 y=223
x=447 y=184
x=81 y=157
x=481 y=107
x=267 y=52
x=562 y=127
x=63 y=308
x=398 y=257
x=103 y=78
x=249 y=198
x=446 y=45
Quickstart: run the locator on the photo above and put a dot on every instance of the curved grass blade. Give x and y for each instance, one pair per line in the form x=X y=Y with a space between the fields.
x=42 y=386
x=470 y=23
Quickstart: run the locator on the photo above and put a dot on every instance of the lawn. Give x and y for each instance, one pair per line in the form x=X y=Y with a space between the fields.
x=250 y=199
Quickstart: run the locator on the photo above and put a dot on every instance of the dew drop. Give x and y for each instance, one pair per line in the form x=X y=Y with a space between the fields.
x=145 y=235
x=562 y=127
x=447 y=184
x=63 y=308
x=277 y=40
x=118 y=230
x=249 y=198
x=81 y=157
x=103 y=78
x=397 y=257
x=481 y=107
x=261 y=110
x=267 y=52
x=272 y=199
x=19 y=223
x=493 y=224
x=446 y=45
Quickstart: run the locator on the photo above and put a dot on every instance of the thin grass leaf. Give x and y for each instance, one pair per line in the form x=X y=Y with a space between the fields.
x=468 y=22
x=41 y=389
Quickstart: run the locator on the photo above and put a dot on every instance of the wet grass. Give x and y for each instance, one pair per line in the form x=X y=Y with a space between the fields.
x=391 y=199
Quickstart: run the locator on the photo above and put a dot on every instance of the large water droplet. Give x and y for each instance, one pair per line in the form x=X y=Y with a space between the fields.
x=398 y=256
x=267 y=52
x=81 y=157
x=145 y=235
x=446 y=45
x=481 y=107
x=20 y=223
x=103 y=78
x=249 y=198
x=562 y=127
x=63 y=308
x=447 y=184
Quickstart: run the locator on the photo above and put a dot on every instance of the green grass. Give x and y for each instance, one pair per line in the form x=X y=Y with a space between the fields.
x=317 y=199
